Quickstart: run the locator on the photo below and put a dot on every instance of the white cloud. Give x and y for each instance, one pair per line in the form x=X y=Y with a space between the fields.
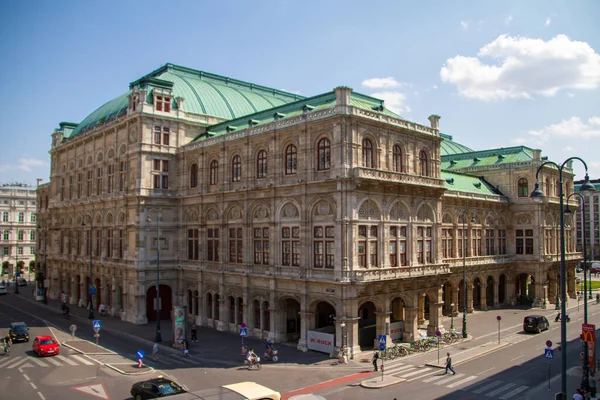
x=548 y=21
x=25 y=164
x=572 y=128
x=518 y=141
x=465 y=25
x=524 y=67
x=394 y=100
x=377 y=83
x=434 y=86
x=508 y=20
x=571 y=94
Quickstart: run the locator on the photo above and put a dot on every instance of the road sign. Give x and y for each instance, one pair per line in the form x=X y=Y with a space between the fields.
x=381 y=339
x=588 y=332
x=498 y=318
x=243 y=325
x=549 y=354
x=97 y=390
x=96 y=330
x=243 y=332
x=140 y=354
x=549 y=343
x=382 y=346
x=92 y=290
x=97 y=324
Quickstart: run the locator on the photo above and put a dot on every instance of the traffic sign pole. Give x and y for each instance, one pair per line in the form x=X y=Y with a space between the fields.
x=382 y=347
x=547 y=352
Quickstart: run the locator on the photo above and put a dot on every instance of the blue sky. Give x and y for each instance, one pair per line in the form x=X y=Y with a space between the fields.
x=499 y=73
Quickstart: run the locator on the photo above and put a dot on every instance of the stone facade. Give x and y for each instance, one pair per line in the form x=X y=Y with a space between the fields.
x=17 y=228
x=326 y=215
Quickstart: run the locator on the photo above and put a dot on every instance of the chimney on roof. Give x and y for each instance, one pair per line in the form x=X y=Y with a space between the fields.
x=342 y=95
x=39 y=181
x=435 y=121
x=537 y=155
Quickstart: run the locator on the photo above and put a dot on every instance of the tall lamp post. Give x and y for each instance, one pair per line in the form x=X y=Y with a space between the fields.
x=91 y=313
x=464 y=251
x=17 y=263
x=586 y=367
x=158 y=337
x=451 y=317
x=538 y=196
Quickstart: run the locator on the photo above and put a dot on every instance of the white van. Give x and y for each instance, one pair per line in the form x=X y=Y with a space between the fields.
x=235 y=391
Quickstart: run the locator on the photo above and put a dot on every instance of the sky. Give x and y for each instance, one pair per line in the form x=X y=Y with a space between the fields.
x=499 y=73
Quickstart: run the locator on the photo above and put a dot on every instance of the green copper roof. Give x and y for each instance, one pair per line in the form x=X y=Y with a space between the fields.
x=501 y=156
x=468 y=183
x=450 y=147
x=203 y=93
x=320 y=102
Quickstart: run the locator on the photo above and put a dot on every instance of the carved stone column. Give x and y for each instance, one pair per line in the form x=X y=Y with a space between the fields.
x=410 y=324
x=455 y=300
x=307 y=323
x=483 y=292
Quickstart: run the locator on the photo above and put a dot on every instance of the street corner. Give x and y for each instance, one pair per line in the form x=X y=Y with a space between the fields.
x=381 y=382
x=130 y=368
x=85 y=347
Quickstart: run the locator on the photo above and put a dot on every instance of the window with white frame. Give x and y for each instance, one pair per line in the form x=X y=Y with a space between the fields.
x=323 y=246
x=5 y=216
x=261 y=245
x=490 y=248
x=20 y=235
x=162 y=135
x=163 y=103
x=290 y=246
x=447 y=242
x=32 y=217
x=20 y=250
x=398 y=246
x=424 y=252
x=32 y=250
x=32 y=236
x=476 y=242
x=21 y=217
x=5 y=251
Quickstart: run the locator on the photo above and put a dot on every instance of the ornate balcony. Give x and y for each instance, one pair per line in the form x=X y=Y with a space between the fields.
x=389 y=176
x=383 y=274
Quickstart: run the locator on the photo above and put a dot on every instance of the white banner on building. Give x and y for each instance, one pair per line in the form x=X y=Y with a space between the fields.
x=396 y=330
x=320 y=341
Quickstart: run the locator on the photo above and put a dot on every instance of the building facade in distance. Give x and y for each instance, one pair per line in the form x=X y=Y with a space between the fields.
x=592 y=221
x=17 y=228
x=292 y=214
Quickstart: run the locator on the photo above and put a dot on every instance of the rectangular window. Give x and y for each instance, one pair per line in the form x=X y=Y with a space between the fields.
x=476 y=243
x=398 y=246
x=290 y=246
x=236 y=248
x=122 y=172
x=90 y=177
x=88 y=242
x=157 y=135
x=98 y=243
x=109 y=243
x=79 y=185
x=462 y=243
x=121 y=243
x=528 y=241
x=99 y=175
x=501 y=241
x=19 y=250
x=71 y=188
x=520 y=241
x=193 y=244
x=5 y=251
x=490 y=250
x=261 y=246
x=447 y=243
x=323 y=246
x=163 y=103
x=212 y=244
x=111 y=178
x=160 y=174
x=368 y=245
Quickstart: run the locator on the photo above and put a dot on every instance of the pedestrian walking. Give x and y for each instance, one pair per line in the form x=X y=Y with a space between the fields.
x=577 y=395
x=194 y=333
x=374 y=360
x=449 y=364
x=155 y=351
x=182 y=348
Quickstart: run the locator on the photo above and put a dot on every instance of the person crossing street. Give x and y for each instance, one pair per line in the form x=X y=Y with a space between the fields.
x=449 y=364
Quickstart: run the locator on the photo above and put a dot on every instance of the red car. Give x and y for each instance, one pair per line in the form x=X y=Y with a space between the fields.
x=45 y=346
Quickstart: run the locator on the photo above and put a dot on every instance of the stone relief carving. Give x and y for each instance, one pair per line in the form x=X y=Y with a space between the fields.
x=235 y=214
x=212 y=215
x=323 y=208
x=290 y=211
x=261 y=213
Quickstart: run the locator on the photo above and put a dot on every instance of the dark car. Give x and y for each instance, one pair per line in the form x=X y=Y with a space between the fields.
x=18 y=331
x=153 y=388
x=535 y=323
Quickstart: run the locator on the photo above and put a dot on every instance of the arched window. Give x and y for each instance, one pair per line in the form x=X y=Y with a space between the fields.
x=324 y=154
x=261 y=164
x=291 y=159
x=367 y=153
x=522 y=188
x=236 y=169
x=194 y=176
x=397 y=153
x=423 y=163
x=214 y=172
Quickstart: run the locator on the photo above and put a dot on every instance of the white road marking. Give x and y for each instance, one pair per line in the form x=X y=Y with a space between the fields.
x=38 y=362
x=82 y=360
x=41 y=396
x=489 y=369
x=33 y=385
x=53 y=361
x=467 y=379
x=65 y=359
x=516 y=358
x=500 y=390
x=434 y=378
x=418 y=372
x=488 y=386
x=26 y=377
x=17 y=363
x=394 y=370
x=449 y=378
x=516 y=391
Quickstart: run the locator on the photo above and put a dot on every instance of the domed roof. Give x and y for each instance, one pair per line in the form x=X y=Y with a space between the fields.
x=203 y=93
x=449 y=147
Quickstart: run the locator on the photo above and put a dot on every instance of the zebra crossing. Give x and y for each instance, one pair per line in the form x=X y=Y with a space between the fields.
x=11 y=362
x=490 y=388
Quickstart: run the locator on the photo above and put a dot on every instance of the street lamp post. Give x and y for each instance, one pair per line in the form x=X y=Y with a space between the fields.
x=91 y=313
x=464 y=251
x=17 y=263
x=586 y=367
x=451 y=317
x=158 y=336
x=538 y=196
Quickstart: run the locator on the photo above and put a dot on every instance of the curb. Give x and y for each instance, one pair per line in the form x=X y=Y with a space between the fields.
x=378 y=383
x=143 y=372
